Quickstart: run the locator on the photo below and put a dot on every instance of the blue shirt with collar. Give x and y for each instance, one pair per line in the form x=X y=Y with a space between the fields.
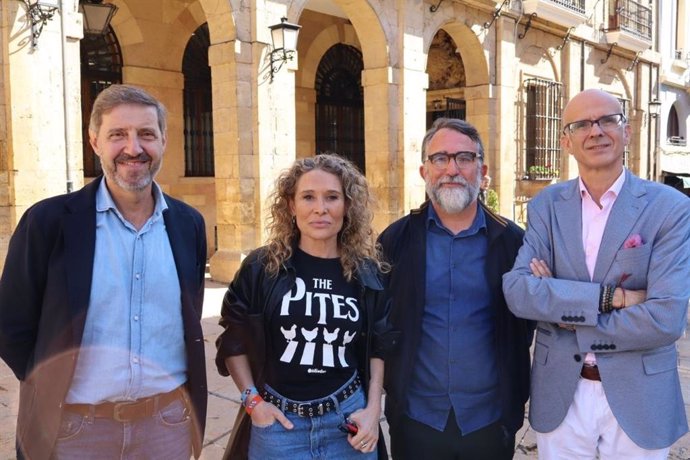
x=456 y=360
x=133 y=343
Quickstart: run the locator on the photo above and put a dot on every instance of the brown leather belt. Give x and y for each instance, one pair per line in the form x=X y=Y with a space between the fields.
x=127 y=411
x=590 y=373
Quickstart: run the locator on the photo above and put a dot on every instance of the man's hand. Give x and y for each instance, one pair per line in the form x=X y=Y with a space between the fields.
x=540 y=269
x=625 y=297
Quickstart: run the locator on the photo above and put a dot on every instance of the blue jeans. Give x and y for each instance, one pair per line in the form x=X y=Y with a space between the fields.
x=166 y=435
x=311 y=438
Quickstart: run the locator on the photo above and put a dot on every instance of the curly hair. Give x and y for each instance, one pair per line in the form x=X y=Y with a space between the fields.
x=356 y=240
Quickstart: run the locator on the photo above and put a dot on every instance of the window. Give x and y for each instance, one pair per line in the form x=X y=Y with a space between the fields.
x=198 y=107
x=673 y=134
x=542 y=154
x=101 y=66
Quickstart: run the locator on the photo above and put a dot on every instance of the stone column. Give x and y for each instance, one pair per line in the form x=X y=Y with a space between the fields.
x=571 y=56
x=412 y=114
x=500 y=117
x=383 y=164
x=232 y=115
x=40 y=114
x=254 y=125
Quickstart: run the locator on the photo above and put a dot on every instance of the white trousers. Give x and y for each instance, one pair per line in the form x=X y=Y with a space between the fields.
x=590 y=431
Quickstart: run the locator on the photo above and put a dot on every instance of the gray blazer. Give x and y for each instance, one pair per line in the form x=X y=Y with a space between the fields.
x=635 y=347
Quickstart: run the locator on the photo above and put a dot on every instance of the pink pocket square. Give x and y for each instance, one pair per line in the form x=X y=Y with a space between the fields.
x=633 y=242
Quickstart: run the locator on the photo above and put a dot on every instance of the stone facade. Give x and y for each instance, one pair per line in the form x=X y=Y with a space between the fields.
x=261 y=125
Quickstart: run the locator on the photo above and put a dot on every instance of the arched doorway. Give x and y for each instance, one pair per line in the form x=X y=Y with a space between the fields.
x=445 y=95
x=340 y=104
x=101 y=66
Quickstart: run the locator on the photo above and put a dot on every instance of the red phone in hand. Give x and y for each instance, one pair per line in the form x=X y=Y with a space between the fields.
x=348 y=427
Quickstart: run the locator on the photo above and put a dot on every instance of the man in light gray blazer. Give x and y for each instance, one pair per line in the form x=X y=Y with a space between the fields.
x=605 y=270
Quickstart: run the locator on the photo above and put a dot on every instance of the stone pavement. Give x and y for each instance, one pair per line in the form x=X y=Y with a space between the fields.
x=224 y=398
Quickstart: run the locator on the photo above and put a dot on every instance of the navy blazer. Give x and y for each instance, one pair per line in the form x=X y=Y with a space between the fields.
x=44 y=297
x=404 y=246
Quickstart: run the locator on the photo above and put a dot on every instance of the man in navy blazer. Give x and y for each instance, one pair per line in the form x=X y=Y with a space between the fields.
x=604 y=270
x=100 y=303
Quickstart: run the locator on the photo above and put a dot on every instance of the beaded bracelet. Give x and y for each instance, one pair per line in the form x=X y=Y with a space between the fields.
x=606 y=299
x=249 y=391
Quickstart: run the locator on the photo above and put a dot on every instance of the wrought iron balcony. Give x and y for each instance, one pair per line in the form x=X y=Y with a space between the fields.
x=630 y=25
x=576 y=5
x=567 y=13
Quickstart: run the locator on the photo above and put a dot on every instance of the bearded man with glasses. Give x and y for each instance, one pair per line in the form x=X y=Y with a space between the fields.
x=604 y=270
x=457 y=387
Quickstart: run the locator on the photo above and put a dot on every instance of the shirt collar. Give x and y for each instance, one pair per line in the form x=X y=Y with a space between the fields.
x=610 y=194
x=104 y=200
x=478 y=223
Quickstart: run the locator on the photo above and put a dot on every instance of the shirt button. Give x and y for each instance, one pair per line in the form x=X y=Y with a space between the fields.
x=136 y=317
x=137 y=276
x=135 y=360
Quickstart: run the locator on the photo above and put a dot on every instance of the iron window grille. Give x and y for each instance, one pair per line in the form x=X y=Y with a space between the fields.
x=575 y=5
x=633 y=17
x=542 y=153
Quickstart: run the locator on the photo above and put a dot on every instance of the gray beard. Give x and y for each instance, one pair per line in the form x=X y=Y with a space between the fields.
x=110 y=172
x=453 y=200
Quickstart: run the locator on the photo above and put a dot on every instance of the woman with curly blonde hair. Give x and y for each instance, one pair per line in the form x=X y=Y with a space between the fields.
x=356 y=239
x=306 y=322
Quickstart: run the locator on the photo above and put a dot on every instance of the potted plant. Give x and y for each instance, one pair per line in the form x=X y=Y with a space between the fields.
x=538 y=172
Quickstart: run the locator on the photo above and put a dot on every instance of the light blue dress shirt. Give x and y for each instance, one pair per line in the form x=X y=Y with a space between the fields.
x=133 y=342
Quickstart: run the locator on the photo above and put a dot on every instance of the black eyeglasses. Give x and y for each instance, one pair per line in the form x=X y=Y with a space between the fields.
x=463 y=160
x=606 y=123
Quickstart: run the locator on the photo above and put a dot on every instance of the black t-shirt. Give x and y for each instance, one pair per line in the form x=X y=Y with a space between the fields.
x=314 y=331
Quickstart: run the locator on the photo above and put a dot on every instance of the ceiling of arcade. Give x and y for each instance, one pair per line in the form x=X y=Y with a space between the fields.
x=154 y=33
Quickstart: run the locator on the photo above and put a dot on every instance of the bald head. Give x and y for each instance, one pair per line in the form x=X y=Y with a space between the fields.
x=589 y=104
x=596 y=136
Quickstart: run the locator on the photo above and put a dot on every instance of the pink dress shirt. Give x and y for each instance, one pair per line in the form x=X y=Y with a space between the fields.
x=594 y=221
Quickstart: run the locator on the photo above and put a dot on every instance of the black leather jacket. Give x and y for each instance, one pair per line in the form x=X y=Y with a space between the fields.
x=251 y=300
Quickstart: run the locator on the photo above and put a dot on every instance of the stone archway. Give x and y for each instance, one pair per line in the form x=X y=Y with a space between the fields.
x=381 y=145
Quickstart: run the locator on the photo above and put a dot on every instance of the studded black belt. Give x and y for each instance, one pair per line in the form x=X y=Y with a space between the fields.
x=313 y=408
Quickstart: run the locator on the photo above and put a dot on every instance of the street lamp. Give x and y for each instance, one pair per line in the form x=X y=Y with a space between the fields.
x=652 y=160
x=284 y=38
x=97 y=16
x=654 y=108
